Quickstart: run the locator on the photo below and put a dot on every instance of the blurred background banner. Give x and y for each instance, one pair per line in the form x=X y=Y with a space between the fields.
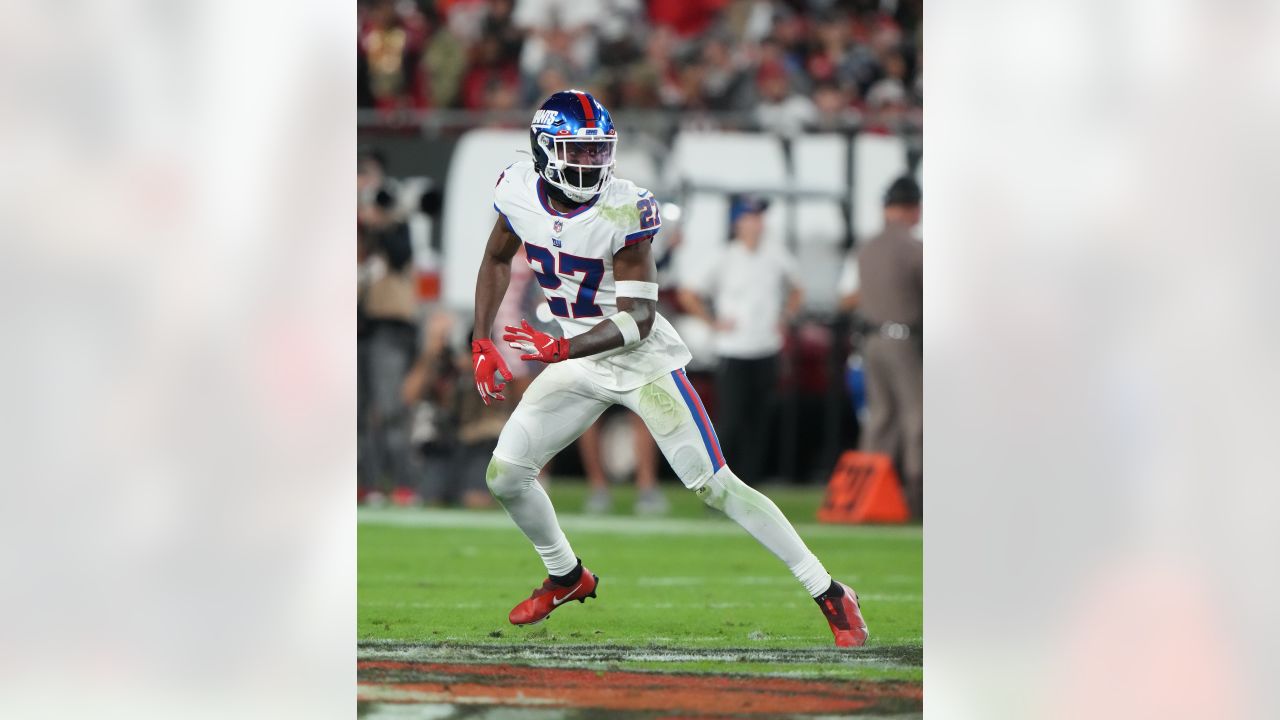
x=1101 y=390
x=178 y=536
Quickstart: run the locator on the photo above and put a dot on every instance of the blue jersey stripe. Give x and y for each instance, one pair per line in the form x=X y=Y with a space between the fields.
x=641 y=235
x=505 y=219
x=699 y=418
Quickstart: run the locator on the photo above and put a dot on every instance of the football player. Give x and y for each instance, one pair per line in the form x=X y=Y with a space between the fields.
x=586 y=235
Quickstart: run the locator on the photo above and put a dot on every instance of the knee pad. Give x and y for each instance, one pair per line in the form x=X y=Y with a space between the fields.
x=719 y=488
x=506 y=479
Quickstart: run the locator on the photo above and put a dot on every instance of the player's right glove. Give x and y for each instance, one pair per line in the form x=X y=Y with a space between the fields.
x=486 y=361
x=535 y=344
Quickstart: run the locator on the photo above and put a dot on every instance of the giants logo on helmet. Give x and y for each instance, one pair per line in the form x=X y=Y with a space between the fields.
x=545 y=117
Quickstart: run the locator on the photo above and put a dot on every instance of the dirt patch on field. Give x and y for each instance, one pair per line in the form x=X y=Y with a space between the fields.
x=579 y=655
x=628 y=694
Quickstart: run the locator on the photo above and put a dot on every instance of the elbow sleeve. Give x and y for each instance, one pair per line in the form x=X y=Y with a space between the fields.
x=629 y=328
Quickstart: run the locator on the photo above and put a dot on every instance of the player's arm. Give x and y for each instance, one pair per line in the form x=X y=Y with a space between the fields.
x=635 y=277
x=491 y=286
x=494 y=276
x=635 y=280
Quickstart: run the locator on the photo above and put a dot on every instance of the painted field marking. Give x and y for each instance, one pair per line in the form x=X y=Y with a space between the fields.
x=613 y=692
x=621 y=525
x=570 y=655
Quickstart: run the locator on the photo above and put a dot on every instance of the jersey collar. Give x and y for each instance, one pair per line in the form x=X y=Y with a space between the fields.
x=546 y=203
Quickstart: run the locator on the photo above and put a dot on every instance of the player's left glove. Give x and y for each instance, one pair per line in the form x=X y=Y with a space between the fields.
x=536 y=344
x=486 y=361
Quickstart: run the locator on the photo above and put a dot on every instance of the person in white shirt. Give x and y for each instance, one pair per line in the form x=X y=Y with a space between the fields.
x=755 y=292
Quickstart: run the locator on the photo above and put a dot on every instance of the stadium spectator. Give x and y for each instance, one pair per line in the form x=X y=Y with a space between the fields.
x=640 y=86
x=859 y=66
x=725 y=84
x=385 y=347
x=750 y=21
x=489 y=72
x=550 y=81
x=370 y=175
x=890 y=299
x=781 y=109
x=560 y=56
x=688 y=18
x=620 y=44
x=660 y=64
x=501 y=98
x=558 y=33
x=465 y=18
x=755 y=293
x=833 y=107
x=887 y=106
x=499 y=23
x=788 y=42
x=459 y=431
x=390 y=42
x=828 y=46
x=443 y=65
x=386 y=305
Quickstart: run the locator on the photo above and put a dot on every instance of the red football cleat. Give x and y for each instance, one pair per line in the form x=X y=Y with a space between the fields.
x=845 y=618
x=551 y=596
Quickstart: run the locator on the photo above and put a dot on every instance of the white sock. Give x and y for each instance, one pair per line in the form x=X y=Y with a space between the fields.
x=518 y=490
x=758 y=515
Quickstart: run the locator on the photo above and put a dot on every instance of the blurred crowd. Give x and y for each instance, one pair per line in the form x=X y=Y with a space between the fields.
x=793 y=64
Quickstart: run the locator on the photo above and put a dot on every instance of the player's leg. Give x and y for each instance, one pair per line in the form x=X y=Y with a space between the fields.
x=555 y=409
x=675 y=415
x=680 y=425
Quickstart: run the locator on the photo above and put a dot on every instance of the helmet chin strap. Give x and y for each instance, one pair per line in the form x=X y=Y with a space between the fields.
x=569 y=193
x=560 y=196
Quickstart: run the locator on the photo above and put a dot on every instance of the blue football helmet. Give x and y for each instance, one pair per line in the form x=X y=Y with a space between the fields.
x=573 y=142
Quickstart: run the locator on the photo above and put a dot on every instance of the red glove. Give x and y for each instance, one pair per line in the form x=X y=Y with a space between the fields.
x=536 y=344
x=486 y=361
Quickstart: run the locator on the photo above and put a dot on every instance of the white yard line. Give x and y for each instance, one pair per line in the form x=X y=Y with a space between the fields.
x=620 y=525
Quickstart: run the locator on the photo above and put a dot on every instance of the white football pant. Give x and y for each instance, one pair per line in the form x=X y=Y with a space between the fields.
x=563 y=401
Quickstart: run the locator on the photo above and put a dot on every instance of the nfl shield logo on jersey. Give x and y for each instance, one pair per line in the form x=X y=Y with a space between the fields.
x=557 y=226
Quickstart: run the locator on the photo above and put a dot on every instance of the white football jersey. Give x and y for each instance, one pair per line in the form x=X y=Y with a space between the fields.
x=572 y=256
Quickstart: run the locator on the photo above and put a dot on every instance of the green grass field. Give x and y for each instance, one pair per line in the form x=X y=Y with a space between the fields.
x=689 y=592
